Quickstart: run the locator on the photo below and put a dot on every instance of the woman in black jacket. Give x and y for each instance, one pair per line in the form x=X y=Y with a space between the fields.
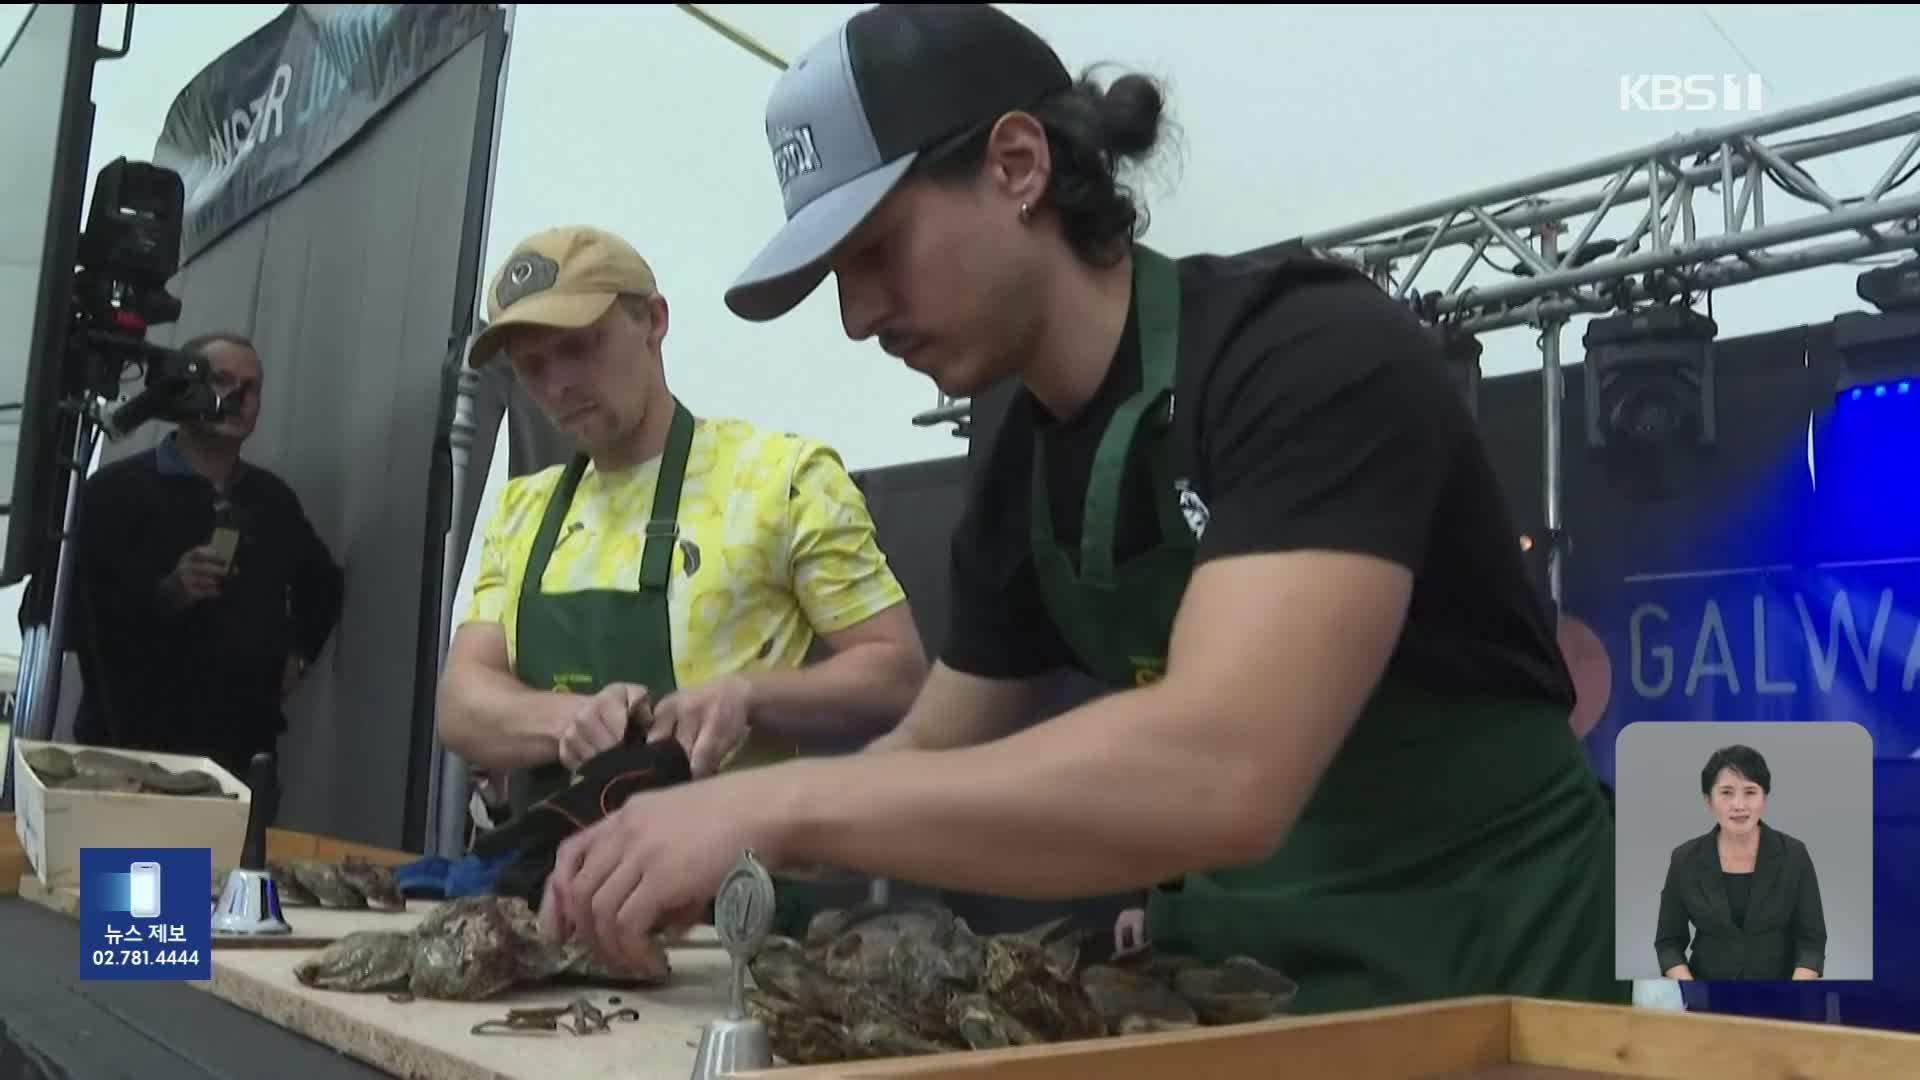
x=1748 y=889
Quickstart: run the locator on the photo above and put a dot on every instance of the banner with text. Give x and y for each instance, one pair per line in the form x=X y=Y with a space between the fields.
x=1835 y=642
x=1796 y=598
x=271 y=111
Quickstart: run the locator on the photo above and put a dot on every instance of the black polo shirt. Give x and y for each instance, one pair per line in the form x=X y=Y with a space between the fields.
x=1313 y=411
x=203 y=678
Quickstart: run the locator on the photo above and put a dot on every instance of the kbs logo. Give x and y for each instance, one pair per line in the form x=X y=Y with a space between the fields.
x=1690 y=93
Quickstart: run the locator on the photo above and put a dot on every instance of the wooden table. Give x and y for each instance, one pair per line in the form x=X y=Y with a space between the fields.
x=433 y=1040
x=1465 y=1039
x=1469 y=1039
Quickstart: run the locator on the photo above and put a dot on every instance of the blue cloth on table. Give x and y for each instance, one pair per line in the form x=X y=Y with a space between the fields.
x=437 y=877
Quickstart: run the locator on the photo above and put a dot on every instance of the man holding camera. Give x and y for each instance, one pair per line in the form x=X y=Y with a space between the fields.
x=202 y=592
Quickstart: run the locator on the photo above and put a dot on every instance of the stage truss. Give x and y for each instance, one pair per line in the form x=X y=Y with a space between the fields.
x=1553 y=280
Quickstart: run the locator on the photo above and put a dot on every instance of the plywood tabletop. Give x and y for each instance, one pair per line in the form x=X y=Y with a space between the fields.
x=433 y=1040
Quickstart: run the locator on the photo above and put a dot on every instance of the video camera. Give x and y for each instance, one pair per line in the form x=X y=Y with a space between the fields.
x=130 y=248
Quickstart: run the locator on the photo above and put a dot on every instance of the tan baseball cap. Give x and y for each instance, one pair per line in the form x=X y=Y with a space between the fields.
x=564 y=277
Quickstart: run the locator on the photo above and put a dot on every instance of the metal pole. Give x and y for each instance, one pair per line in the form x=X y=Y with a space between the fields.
x=1670 y=256
x=1552 y=401
x=447 y=780
x=26 y=681
x=1666 y=149
x=45 y=687
x=448 y=783
x=1720 y=275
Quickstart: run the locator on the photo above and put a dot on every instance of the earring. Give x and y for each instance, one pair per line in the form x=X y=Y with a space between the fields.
x=1026 y=213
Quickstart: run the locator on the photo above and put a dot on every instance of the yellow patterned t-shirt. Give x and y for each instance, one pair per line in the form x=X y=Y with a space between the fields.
x=776 y=546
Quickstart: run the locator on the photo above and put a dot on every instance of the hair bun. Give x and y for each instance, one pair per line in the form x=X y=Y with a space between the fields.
x=1130 y=116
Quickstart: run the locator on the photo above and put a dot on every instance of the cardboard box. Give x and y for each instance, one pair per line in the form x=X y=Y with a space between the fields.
x=54 y=824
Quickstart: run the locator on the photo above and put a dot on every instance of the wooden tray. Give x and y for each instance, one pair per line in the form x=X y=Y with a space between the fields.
x=1464 y=1039
x=13 y=861
x=433 y=1040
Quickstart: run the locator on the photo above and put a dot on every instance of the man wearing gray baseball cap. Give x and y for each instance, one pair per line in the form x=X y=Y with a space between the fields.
x=1240 y=490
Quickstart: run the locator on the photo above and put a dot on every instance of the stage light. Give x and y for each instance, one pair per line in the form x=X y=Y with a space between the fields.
x=1880 y=353
x=1891 y=289
x=1463 y=365
x=1649 y=379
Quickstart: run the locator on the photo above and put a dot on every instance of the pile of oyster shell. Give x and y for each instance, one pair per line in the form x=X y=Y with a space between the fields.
x=468 y=949
x=875 y=982
x=102 y=770
x=351 y=884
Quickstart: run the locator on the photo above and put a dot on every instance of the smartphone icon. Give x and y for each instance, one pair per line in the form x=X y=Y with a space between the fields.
x=143 y=892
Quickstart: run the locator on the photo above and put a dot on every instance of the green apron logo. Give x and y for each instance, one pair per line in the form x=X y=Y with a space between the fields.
x=1147 y=670
x=564 y=682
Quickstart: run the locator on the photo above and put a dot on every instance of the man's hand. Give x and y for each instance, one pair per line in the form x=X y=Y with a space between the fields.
x=709 y=721
x=1680 y=972
x=652 y=865
x=601 y=722
x=1130 y=930
x=197 y=575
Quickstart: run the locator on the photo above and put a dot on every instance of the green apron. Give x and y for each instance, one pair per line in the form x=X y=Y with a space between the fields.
x=580 y=642
x=1454 y=846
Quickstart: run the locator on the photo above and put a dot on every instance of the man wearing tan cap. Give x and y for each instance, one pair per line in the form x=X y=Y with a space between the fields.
x=676 y=572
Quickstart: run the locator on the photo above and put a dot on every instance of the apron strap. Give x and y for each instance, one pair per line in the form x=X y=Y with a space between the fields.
x=548 y=536
x=1157 y=295
x=663 y=525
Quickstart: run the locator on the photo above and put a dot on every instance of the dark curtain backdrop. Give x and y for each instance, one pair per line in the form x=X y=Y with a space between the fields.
x=357 y=287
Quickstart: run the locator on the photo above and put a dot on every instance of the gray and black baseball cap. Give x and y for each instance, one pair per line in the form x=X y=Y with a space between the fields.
x=848 y=119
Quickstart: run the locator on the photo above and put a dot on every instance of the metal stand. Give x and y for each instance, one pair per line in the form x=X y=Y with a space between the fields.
x=447 y=783
x=1598 y=276
x=37 y=698
x=1553 y=394
x=446 y=824
x=743 y=917
x=1550 y=284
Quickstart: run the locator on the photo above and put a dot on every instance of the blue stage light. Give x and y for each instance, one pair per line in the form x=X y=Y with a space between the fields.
x=1902 y=388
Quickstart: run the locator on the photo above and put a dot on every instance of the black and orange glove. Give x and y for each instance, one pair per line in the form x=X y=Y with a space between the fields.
x=604 y=785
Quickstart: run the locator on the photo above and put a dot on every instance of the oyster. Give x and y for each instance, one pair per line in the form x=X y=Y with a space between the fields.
x=466 y=950
x=102 y=763
x=352 y=883
x=327 y=885
x=125 y=785
x=100 y=770
x=373 y=882
x=50 y=763
x=191 y=782
x=287 y=884
x=363 y=960
x=877 y=981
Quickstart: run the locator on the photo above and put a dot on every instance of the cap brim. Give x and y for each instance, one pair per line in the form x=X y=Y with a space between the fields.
x=565 y=311
x=794 y=262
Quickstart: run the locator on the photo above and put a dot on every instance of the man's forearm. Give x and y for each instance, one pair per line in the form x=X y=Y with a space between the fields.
x=1106 y=798
x=494 y=721
x=861 y=690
